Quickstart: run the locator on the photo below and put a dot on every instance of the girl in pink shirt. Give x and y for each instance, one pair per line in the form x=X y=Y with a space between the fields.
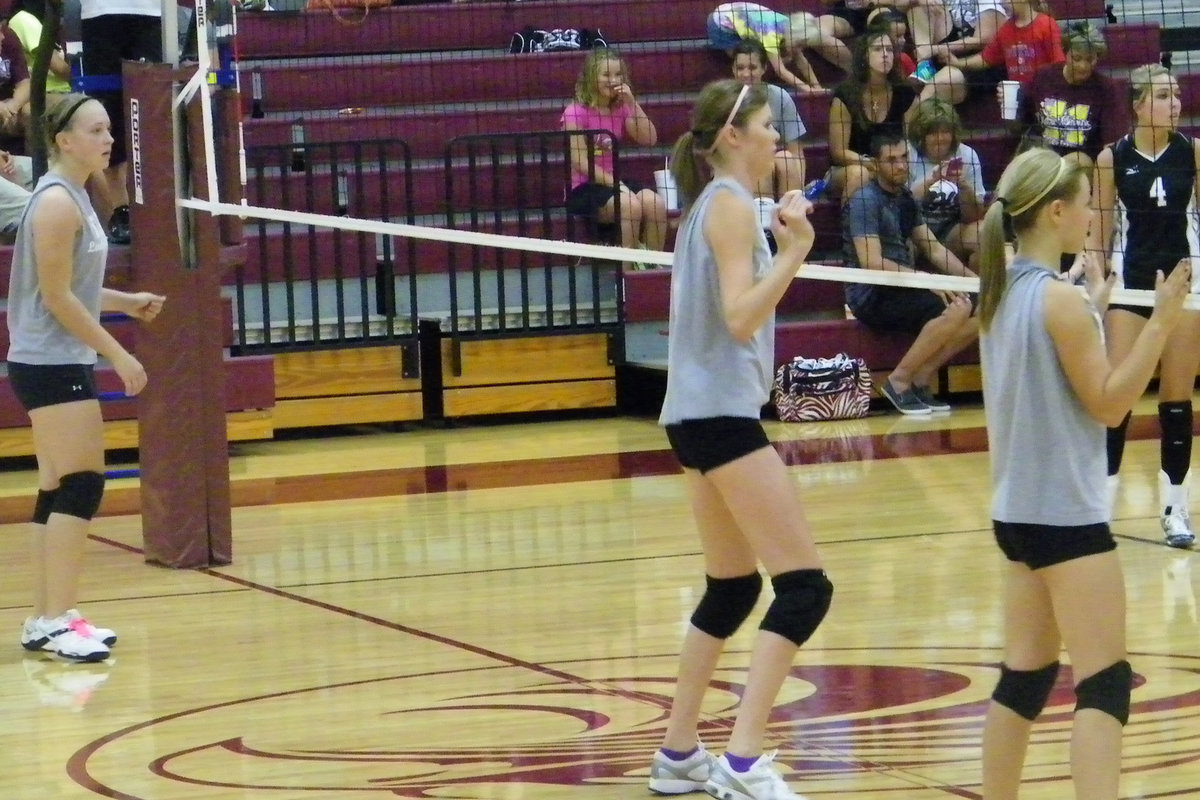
x=604 y=101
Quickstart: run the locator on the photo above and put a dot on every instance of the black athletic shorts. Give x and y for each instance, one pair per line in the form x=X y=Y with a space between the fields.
x=108 y=40
x=40 y=385
x=1039 y=546
x=898 y=308
x=705 y=444
x=1138 y=279
x=586 y=199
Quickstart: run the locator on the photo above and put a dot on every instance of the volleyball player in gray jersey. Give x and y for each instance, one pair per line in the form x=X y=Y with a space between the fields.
x=724 y=289
x=1049 y=390
x=55 y=297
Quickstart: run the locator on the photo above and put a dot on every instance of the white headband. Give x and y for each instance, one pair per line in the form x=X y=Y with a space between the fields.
x=737 y=104
x=1062 y=166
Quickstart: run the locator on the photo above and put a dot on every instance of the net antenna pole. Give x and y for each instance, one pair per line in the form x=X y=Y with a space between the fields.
x=39 y=70
x=171 y=53
x=202 y=82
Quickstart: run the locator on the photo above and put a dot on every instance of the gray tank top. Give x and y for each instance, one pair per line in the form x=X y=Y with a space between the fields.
x=1048 y=453
x=709 y=373
x=35 y=336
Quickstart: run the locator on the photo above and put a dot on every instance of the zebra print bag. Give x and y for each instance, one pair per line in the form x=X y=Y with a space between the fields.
x=813 y=389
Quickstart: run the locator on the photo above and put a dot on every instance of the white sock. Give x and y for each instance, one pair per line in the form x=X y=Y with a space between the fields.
x=1173 y=496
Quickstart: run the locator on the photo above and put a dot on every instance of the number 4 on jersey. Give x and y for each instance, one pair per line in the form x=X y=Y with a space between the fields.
x=1159 y=192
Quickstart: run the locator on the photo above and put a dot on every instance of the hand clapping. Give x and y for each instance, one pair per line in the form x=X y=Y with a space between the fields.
x=1171 y=291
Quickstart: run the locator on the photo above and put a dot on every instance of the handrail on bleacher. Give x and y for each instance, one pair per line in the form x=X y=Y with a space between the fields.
x=553 y=295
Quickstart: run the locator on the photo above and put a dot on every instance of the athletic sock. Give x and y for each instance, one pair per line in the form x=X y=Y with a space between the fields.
x=741 y=763
x=678 y=755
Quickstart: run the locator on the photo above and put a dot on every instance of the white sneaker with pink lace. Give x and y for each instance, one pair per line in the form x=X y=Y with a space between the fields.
x=68 y=636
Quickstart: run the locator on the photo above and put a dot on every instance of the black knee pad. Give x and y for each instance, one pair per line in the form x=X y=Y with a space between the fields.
x=726 y=604
x=43 y=505
x=1025 y=692
x=78 y=494
x=802 y=599
x=1108 y=691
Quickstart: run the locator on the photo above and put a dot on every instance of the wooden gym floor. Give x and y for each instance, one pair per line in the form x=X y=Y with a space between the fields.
x=494 y=612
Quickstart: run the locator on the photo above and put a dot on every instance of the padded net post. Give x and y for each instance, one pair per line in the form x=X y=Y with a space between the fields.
x=186 y=520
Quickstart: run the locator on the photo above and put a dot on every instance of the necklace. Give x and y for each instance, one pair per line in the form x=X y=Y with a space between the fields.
x=875 y=98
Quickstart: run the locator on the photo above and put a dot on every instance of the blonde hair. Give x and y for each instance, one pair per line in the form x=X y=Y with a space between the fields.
x=587 y=91
x=709 y=115
x=1022 y=192
x=1140 y=81
x=60 y=117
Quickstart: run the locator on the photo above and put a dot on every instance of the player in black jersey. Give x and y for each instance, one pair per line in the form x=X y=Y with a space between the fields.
x=1146 y=195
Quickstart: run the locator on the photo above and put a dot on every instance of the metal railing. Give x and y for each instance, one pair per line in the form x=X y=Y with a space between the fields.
x=517 y=184
x=305 y=287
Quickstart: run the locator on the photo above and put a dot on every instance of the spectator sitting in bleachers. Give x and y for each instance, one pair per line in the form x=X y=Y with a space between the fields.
x=749 y=66
x=1027 y=40
x=14 y=87
x=881 y=227
x=783 y=37
x=1071 y=108
x=873 y=99
x=943 y=27
x=895 y=24
x=946 y=178
x=604 y=100
x=26 y=23
x=845 y=20
x=16 y=179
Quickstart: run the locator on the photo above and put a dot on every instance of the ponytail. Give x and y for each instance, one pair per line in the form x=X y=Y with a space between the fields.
x=686 y=168
x=993 y=266
x=1022 y=192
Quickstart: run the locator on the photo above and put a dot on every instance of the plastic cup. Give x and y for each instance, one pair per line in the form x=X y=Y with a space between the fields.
x=664 y=183
x=1009 y=94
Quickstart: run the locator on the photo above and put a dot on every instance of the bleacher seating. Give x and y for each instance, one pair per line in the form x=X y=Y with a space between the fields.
x=405 y=75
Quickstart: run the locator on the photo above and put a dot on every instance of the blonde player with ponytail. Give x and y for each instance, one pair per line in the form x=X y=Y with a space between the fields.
x=724 y=288
x=1049 y=391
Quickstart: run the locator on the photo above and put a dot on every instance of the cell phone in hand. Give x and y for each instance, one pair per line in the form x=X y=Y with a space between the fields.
x=954 y=167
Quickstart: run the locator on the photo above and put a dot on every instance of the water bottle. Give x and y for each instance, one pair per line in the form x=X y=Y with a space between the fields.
x=814 y=189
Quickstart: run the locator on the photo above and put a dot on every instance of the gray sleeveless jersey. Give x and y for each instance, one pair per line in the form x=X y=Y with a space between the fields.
x=709 y=373
x=35 y=336
x=1048 y=456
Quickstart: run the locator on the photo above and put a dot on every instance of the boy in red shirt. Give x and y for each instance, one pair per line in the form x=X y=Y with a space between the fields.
x=1027 y=40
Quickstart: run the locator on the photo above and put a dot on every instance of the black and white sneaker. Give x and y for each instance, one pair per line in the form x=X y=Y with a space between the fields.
x=65 y=636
